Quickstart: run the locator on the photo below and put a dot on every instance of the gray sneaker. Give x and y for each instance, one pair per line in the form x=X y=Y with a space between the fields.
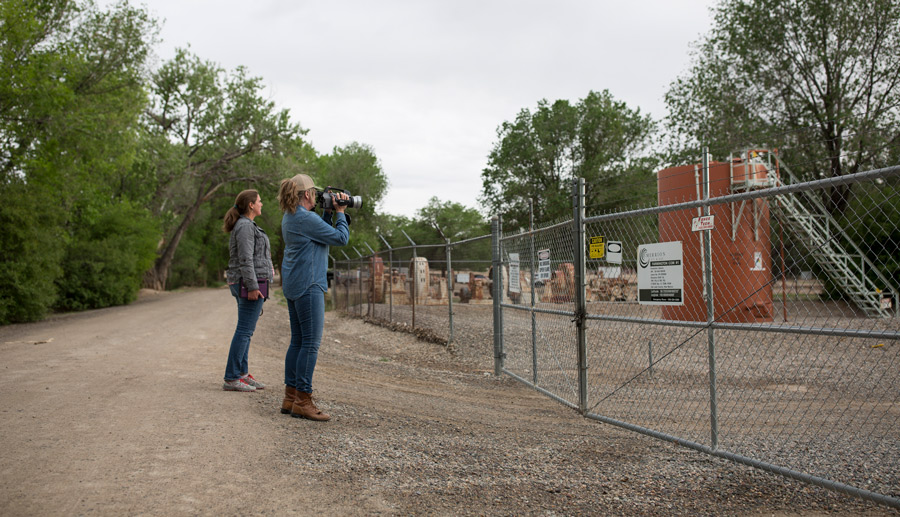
x=253 y=382
x=237 y=385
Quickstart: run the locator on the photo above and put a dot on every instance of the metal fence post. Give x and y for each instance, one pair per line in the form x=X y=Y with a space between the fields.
x=347 y=283
x=710 y=312
x=449 y=291
x=390 y=279
x=580 y=305
x=370 y=306
x=534 y=358
x=391 y=286
x=359 y=290
x=415 y=267
x=498 y=314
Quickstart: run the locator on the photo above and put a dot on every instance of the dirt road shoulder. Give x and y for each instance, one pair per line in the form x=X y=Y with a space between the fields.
x=120 y=411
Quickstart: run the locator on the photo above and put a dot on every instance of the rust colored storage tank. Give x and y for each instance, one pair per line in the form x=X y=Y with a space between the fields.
x=741 y=248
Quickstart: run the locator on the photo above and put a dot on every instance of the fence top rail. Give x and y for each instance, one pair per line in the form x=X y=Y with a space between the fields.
x=440 y=245
x=404 y=248
x=364 y=261
x=755 y=194
x=537 y=230
x=417 y=246
x=473 y=239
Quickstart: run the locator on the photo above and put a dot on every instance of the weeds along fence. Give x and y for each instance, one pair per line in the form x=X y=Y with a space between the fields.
x=739 y=317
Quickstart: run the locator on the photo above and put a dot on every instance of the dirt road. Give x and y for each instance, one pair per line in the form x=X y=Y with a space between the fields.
x=120 y=411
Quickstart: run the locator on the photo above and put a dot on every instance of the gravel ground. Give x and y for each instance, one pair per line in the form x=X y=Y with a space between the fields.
x=109 y=412
x=794 y=414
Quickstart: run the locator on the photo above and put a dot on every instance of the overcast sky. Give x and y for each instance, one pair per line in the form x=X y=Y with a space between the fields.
x=427 y=83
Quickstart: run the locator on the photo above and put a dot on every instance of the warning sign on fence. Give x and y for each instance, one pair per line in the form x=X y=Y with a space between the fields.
x=543 y=272
x=597 y=247
x=514 y=286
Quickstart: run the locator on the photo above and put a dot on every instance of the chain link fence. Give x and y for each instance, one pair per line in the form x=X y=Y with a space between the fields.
x=751 y=324
x=439 y=292
x=738 y=317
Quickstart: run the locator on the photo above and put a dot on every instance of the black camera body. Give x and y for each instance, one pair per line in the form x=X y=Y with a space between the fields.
x=327 y=199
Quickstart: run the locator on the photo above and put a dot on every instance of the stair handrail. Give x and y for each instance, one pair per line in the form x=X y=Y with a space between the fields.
x=820 y=207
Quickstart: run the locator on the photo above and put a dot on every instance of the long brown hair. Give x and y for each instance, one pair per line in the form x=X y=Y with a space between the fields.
x=289 y=195
x=241 y=206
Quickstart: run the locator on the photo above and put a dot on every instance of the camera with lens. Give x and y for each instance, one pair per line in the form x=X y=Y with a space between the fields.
x=327 y=199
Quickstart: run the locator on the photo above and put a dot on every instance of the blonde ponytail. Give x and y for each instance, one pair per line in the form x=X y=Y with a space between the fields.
x=289 y=195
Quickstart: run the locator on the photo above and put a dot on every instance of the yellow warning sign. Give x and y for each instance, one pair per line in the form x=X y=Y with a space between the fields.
x=597 y=247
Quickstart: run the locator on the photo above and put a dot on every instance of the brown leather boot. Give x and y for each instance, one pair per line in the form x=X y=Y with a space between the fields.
x=290 y=393
x=304 y=407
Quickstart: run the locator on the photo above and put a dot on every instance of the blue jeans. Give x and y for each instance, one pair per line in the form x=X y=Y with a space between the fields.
x=248 y=315
x=307 y=319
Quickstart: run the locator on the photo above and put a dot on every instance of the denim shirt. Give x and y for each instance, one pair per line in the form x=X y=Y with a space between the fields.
x=306 y=240
x=249 y=255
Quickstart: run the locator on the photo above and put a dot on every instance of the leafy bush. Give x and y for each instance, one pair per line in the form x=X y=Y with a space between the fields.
x=106 y=260
x=31 y=245
x=874 y=222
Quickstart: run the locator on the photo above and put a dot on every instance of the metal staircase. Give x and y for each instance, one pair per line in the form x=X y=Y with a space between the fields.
x=839 y=257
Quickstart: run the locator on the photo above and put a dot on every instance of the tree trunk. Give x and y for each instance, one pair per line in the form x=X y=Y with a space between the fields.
x=157 y=277
x=836 y=198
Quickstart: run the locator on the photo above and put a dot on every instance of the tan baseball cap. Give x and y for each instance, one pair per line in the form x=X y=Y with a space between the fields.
x=304 y=182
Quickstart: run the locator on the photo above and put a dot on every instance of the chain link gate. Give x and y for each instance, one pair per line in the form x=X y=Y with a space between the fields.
x=760 y=369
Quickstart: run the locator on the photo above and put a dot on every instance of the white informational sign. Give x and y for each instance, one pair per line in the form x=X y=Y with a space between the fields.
x=614 y=252
x=706 y=222
x=660 y=274
x=514 y=286
x=462 y=278
x=543 y=265
x=757 y=262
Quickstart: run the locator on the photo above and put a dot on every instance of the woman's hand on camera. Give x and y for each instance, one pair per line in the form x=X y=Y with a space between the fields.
x=337 y=206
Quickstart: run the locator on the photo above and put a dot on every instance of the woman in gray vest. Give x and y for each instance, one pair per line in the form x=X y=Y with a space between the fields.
x=249 y=274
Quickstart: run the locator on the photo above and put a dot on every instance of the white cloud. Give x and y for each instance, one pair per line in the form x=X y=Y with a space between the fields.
x=427 y=83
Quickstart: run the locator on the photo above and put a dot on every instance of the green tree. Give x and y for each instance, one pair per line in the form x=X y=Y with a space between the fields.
x=434 y=223
x=107 y=258
x=70 y=95
x=355 y=167
x=208 y=130
x=451 y=220
x=819 y=79
x=202 y=255
x=438 y=221
x=539 y=154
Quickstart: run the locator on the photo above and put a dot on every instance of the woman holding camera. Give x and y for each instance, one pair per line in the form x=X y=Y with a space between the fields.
x=303 y=271
x=249 y=271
